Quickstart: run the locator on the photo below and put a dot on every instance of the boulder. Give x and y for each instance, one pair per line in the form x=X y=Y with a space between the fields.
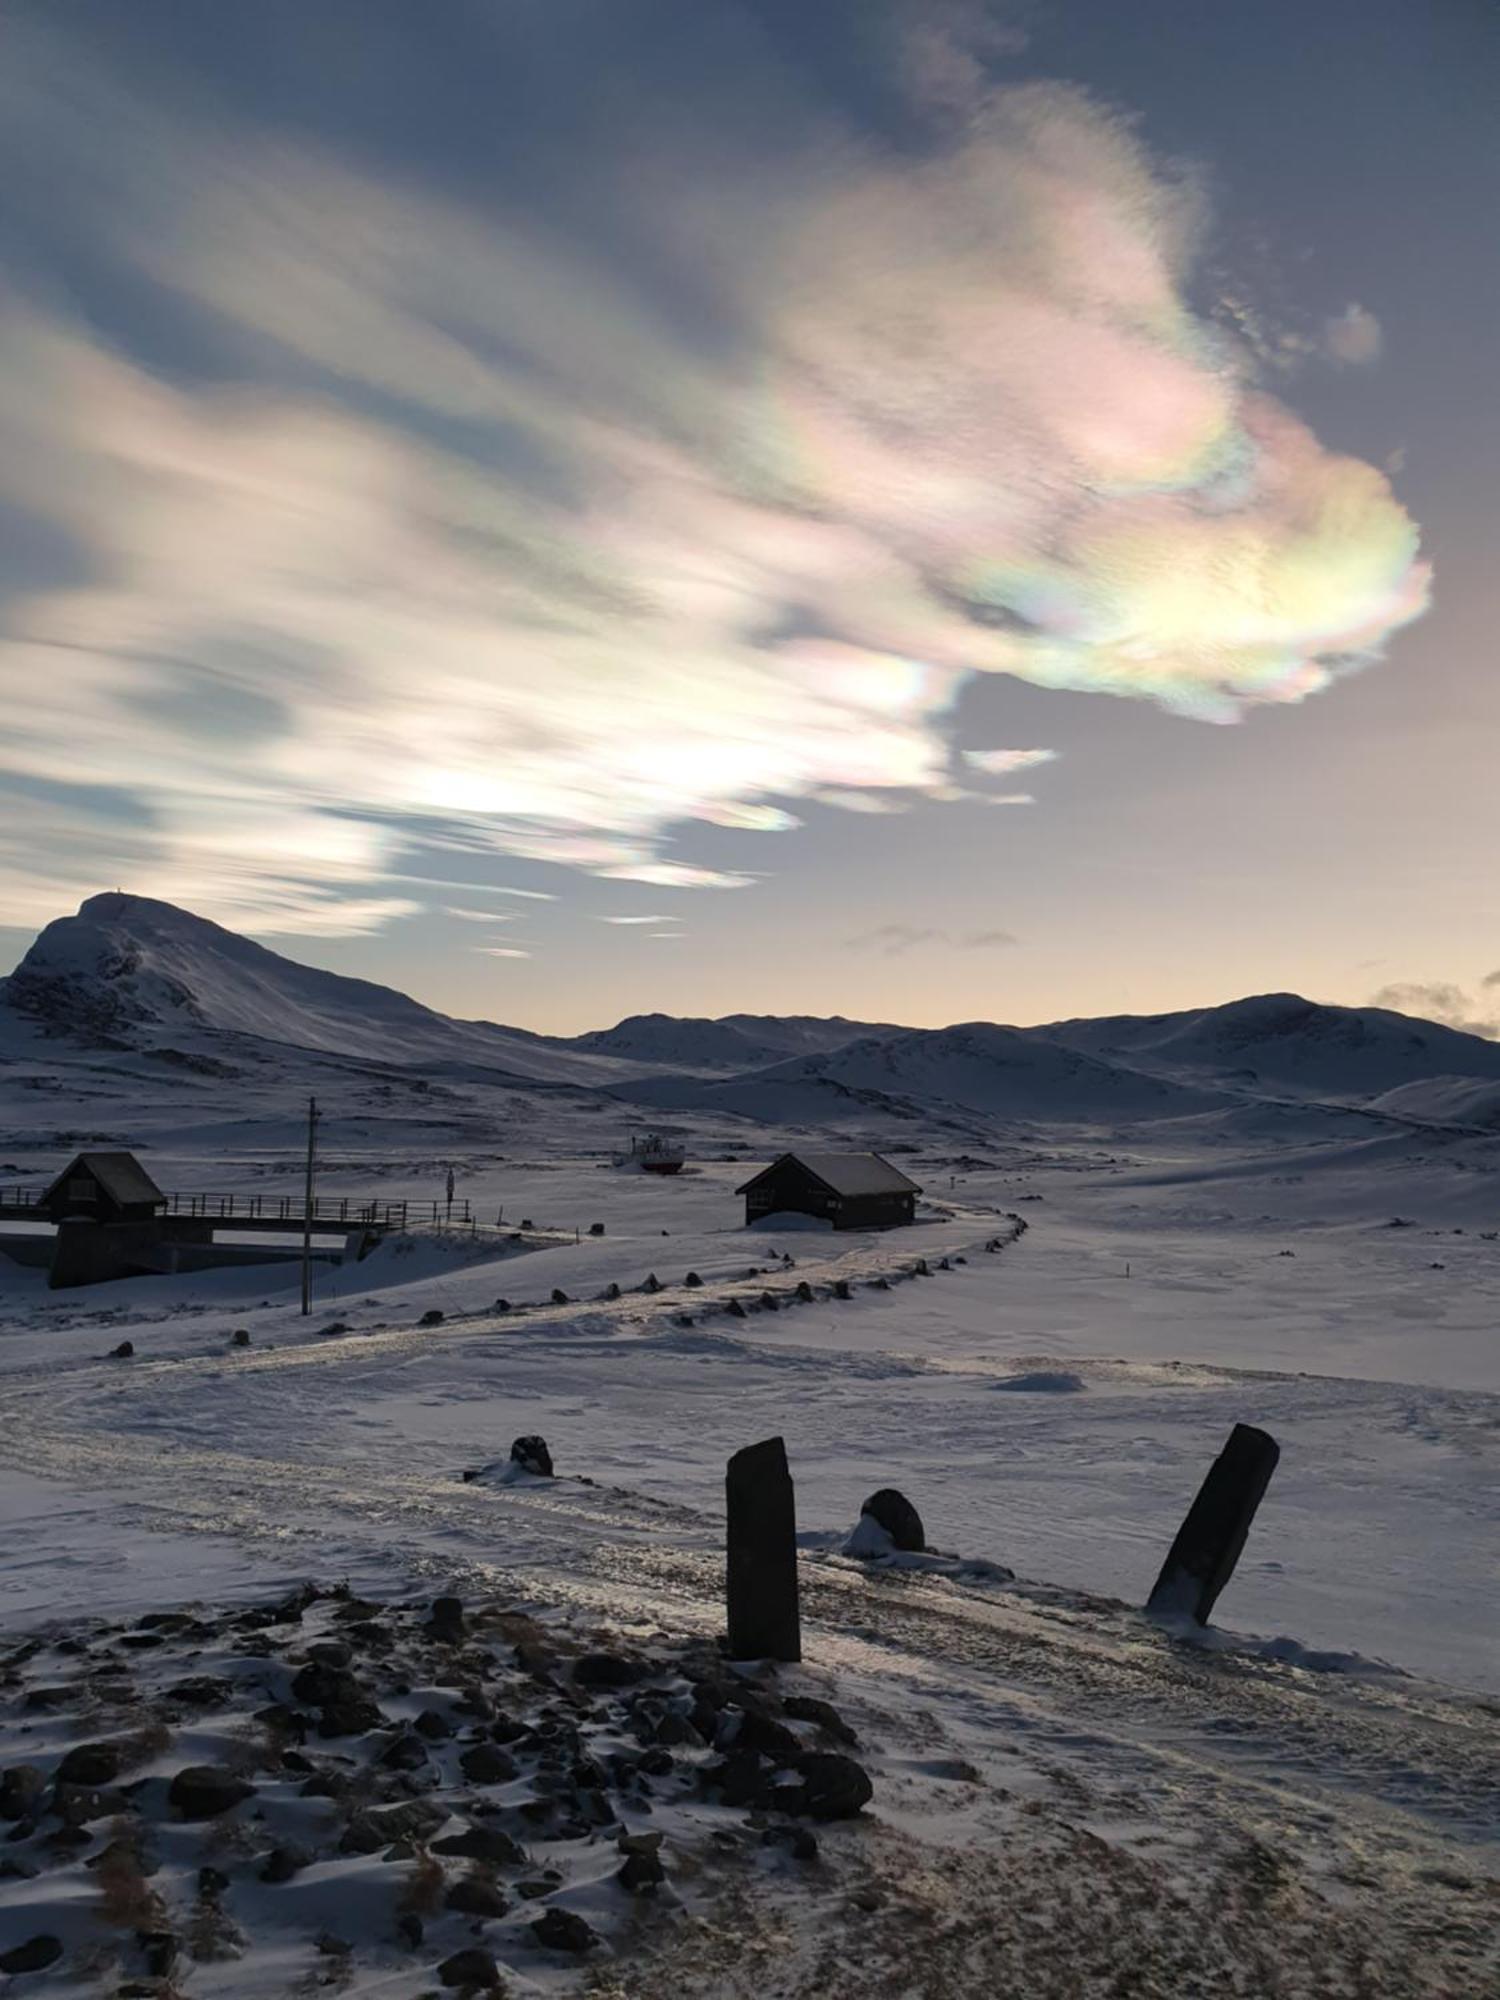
x=832 y=1787
x=282 y=1863
x=203 y=1791
x=473 y=1968
x=532 y=1455
x=121 y=1353
x=240 y=1337
x=21 y=1788
x=559 y=1296
x=446 y=1619
x=596 y=1229
x=901 y=1521
x=608 y=1670
x=563 y=1930
x=432 y=1317
x=91 y=1764
x=692 y=1279
x=641 y=1874
x=475 y=1896
x=35 y=1955
x=488 y=1844
x=487 y=1764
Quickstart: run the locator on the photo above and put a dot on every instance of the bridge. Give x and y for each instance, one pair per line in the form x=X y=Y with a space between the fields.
x=276 y=1213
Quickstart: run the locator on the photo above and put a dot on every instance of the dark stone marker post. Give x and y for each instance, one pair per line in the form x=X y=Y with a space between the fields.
x=1209 y=1542
x=762 y=1547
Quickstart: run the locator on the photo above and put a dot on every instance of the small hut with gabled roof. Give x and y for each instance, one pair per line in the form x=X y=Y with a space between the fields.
x=850 y=1190
x=103 y=1187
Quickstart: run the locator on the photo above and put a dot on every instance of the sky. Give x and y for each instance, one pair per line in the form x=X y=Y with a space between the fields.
x=919 y=509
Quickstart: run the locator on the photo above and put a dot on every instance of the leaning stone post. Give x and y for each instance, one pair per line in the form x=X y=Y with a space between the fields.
x=1209 y=1542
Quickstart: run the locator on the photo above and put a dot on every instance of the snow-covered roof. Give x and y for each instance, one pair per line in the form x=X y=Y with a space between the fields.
x=120 y=1175
x=845 y=1173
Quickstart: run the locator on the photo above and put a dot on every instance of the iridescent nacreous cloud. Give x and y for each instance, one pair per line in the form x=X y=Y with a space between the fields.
x=469 y=530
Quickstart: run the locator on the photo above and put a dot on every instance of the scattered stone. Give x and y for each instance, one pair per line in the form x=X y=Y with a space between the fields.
x=446 y=1619
x=91 y=1764
x=482 y=1843
x=804 y=1292
x=596 y=1229
x=895 y=1513
x=158 y=1952
x=502 y=1306
x=435 y=1727
x=608 y=1670
x=652 y=1284
x=34 y=1956
x=832 y=1787
x=682 y=1319
x=472 y=1967
x=735 y=1310
x=641 y=1874
x=800 y=1840
x=808 y=1708
x=202 y=1691
x=240 y=1337
x=692 y=1279
x=121 y=1353
x=880 y=1284
x=563 y=1930
x=355 y=1715
x=203 y=1791
x=212 y=1882
x=329 y=1946
x=919 y=1269
x=405 y=1752
x=432 y=1317
x=21 y=1789
x=559 y=1296
x=333 y=1328
x=476 y=1896
x=769 y=1302
x=409 y=1930
x=611 y=1290
x=487 y=1764
x=532 y=1455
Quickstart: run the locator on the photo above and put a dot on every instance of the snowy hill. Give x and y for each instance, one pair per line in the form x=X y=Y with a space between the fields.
x=1282 y=1042
x=1006 y=1073
x=733 y=1042
x=127 y=972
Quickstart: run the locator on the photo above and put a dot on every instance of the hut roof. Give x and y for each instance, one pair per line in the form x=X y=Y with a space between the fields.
x=120 y=1175
x=843 y=1173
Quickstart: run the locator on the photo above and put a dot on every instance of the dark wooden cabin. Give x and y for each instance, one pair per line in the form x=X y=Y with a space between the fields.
x=103 y=1187
x=850 y=1190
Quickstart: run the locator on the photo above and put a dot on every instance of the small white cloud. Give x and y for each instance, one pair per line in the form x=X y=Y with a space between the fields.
x=500 y=950
x=676 y=875
x=997 y=763
x=632 y=920
x=478 y=916
x=1354 y=338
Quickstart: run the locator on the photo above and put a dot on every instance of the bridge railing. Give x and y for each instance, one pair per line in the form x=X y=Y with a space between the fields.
x=346 y=1211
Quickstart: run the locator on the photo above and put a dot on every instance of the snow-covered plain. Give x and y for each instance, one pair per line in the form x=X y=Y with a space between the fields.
x=1203 y=1245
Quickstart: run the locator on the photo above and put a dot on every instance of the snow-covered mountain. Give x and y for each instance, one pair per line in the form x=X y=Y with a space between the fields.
x=977 y=1068
x=132 y=973
x=127 y=973
x=1281 y=1042
x=733 y=1042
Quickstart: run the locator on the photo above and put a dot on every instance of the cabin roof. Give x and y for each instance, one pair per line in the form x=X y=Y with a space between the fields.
x=120 y=1175
x=842 y=1173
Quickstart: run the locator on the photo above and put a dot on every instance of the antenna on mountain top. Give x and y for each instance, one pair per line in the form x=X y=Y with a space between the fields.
x=307 y=1211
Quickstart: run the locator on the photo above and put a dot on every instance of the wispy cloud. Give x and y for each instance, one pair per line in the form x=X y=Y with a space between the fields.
x=1437 y=1000
x=960 y=417
x=501 y=950
x=997 y=763
x=633 y=920
x=478 y=916
x=895 y=940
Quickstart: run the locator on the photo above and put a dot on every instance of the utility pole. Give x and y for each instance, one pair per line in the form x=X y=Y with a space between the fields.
x=307 y=1213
